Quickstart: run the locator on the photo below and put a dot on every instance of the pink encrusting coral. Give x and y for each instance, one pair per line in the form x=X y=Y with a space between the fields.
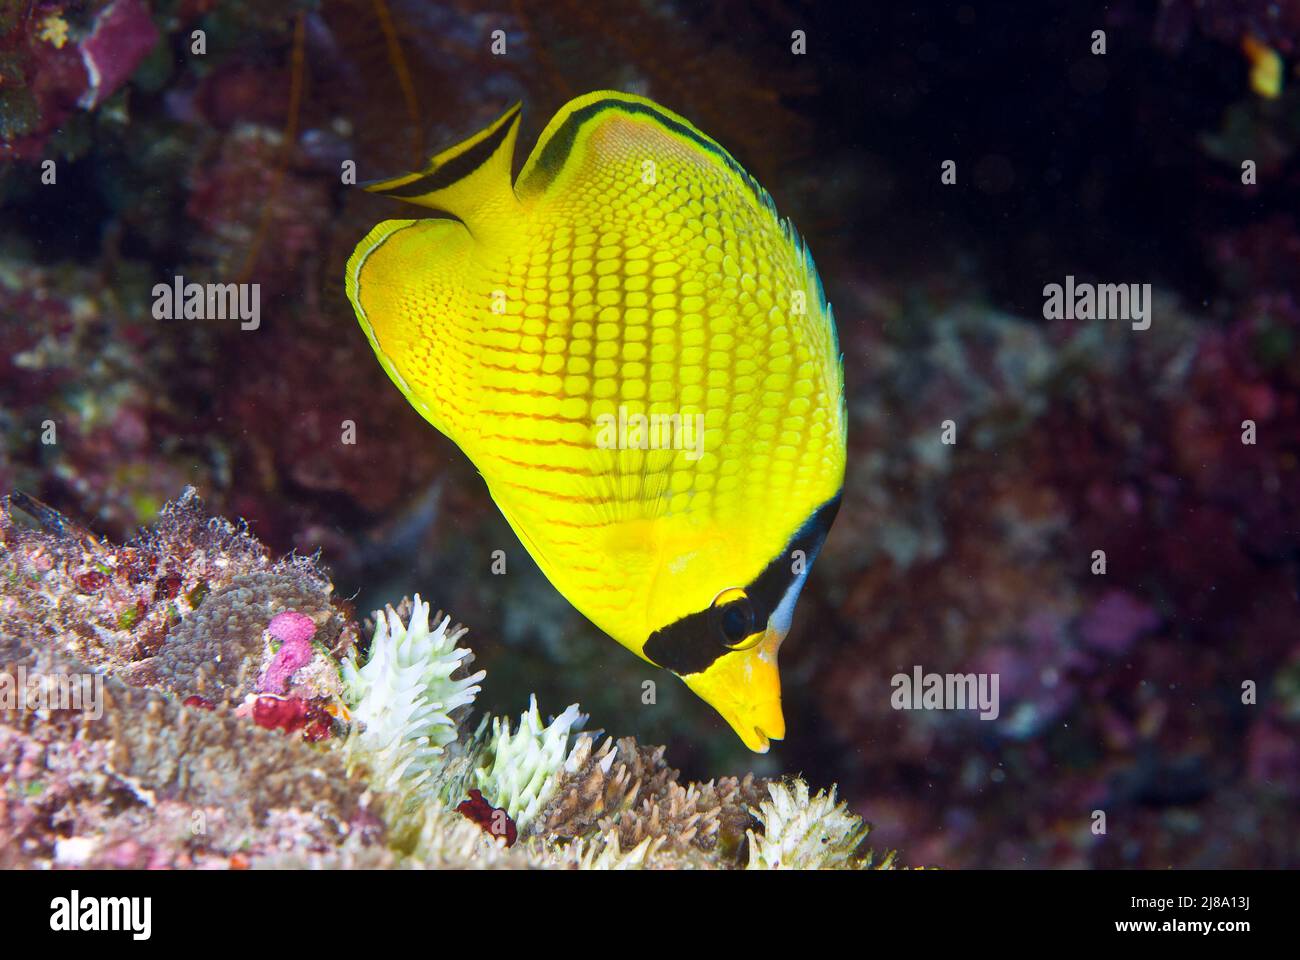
x=294 y=631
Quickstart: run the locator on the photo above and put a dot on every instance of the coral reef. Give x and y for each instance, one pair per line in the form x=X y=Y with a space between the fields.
x=256 y=734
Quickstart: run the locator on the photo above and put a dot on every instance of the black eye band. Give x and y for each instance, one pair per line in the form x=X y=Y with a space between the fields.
x=693 y=643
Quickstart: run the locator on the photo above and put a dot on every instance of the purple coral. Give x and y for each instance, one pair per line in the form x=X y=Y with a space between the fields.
x=122 y=36
x=294 y=631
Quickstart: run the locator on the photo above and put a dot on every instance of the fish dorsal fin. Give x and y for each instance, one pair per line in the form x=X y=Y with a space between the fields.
x=471 y=181
x=560 y=149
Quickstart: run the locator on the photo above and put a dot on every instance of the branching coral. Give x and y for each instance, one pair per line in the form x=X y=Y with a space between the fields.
x=803 y=833
x=627 y=792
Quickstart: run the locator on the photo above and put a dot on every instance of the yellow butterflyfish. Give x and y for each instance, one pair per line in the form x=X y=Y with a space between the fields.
x=636 y=353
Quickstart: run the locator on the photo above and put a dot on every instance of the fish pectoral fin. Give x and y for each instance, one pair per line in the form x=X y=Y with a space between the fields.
x=471 y=181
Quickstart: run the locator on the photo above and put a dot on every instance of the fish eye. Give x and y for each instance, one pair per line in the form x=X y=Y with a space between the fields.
x=732 y=614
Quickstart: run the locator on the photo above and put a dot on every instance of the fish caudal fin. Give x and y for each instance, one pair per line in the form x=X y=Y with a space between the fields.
x=471 y=181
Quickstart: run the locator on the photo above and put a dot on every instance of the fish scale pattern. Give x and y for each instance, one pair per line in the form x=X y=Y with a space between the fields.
x=646 y=276
x=685 y=296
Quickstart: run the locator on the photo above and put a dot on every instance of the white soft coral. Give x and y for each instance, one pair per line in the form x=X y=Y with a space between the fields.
x=404 y=696
x=518 y=770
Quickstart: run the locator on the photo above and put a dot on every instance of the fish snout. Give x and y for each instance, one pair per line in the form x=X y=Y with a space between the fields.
x=744 y=686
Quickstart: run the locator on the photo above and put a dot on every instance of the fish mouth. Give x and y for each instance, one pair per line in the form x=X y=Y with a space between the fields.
x=758 y=725
x=756 y=732
x=760 y=740
x=745 y=688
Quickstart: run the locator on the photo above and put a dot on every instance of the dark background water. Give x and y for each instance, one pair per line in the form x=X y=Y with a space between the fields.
x=1120 y=692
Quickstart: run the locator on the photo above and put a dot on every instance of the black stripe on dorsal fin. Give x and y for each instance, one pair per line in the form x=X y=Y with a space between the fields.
x=465 y=179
